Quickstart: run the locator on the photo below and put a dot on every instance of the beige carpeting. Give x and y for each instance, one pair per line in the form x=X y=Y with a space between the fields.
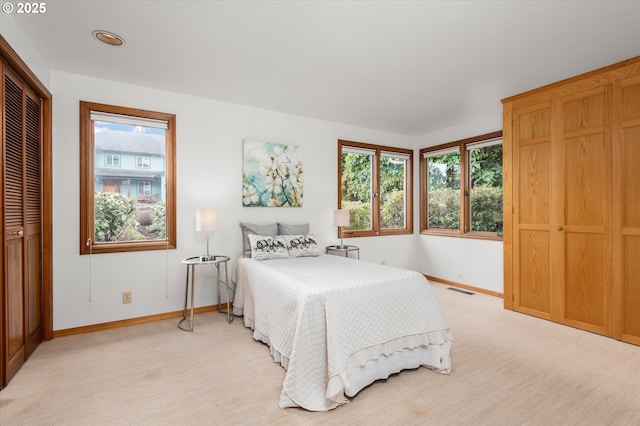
x=508 y=369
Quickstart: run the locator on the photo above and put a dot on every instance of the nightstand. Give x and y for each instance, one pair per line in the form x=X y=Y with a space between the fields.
x=340 y=250
x=222 y=279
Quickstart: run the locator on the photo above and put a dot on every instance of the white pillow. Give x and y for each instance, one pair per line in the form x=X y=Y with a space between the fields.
x=302 y=245
x=267 y=247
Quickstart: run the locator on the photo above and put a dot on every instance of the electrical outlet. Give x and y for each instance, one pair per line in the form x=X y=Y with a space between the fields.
x=127 y=297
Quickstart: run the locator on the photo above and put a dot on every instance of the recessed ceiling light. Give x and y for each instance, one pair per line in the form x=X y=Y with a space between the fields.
x=108 y=38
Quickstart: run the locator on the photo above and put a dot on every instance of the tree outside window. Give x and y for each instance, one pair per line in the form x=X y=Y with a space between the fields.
x=393 y=190
x=443 y=210
x=485 y=188
x=461 y=188
x=375 y=186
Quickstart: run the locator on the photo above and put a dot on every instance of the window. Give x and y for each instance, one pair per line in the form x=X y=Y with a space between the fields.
x=443 y=167
x=112 y=160
x=144 y=187
x=143 y=162
x=375 y=185
x=126 y=204
x=461 y=188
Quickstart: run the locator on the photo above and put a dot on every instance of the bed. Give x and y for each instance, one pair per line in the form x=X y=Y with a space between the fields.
x=338 y=324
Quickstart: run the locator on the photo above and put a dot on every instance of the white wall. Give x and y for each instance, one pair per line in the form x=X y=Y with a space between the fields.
x=14 y=35
x=473 y=262
x=87 y=289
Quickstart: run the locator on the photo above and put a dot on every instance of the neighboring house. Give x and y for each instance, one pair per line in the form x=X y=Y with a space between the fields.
x=131 y=164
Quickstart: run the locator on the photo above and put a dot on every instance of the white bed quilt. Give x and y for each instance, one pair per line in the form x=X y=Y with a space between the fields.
x=333 y=322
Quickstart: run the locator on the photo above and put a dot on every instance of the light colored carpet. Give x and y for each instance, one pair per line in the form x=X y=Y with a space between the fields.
x=508 y=369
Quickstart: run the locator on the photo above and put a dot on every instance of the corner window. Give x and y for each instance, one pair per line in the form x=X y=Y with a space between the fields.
x=461 y=188
x=375 y=186
x=485 y=186
x=443 y=192
x=125 y=203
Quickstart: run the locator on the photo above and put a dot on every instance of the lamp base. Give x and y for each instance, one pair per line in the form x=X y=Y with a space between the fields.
x=342 y=245
x=207 y=258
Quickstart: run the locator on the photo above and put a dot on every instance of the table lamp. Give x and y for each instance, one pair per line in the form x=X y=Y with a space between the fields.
x=206 y=221
x=340 y=219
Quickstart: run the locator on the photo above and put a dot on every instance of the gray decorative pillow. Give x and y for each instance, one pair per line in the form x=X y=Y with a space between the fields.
x=265 y=247
x=302 y=245
x=251 y=228
x=288 y=229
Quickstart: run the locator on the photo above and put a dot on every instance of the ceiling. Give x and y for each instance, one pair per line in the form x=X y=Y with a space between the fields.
x=408 y=67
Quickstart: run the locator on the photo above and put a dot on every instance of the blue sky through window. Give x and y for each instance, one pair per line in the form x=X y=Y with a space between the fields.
x=100 y=126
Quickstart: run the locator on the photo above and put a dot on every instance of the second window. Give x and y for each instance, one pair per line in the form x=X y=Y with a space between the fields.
x=461 y=187
x=375 y=185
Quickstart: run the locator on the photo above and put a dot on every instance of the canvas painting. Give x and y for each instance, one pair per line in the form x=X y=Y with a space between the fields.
x=272 y=175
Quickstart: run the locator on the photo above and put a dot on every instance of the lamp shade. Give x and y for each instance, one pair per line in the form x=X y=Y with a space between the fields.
x=341 y=217
x=207 y=220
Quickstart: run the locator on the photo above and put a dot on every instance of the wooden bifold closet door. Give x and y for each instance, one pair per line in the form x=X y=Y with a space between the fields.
x=584 y=209
x=627 y=183
x=572 y=202
x=22 y=223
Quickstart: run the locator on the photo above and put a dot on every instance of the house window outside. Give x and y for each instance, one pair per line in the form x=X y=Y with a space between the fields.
x=112 y=160
x=144 y=187
x=131 y=208
x=461 y=188
x=375 y=186
x=143 y=162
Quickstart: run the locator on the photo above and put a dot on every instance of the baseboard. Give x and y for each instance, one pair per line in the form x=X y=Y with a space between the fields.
x=210 y=308
x=464 y=286
x=132 y=321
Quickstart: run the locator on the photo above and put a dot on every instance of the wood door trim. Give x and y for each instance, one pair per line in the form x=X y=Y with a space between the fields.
x=507 y=206
x=12 y=58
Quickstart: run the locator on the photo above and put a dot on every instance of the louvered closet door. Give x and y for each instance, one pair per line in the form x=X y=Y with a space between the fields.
x=33 y=222
x=22 y=222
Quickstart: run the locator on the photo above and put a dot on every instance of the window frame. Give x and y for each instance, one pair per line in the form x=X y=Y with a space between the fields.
x=87 y=181
x=375 y=214
x=145 y=184
x=143 y=162
x=112 y=163
x=465 y=186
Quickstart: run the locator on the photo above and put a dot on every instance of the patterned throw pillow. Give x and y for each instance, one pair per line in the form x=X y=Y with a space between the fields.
x=252 y=228
x=302 y=245
x=265 y=247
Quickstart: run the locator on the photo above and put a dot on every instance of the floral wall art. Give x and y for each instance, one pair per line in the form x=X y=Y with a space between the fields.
x=272 y=175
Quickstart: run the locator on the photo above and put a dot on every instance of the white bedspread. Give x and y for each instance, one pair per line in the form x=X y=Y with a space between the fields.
x=337 y=324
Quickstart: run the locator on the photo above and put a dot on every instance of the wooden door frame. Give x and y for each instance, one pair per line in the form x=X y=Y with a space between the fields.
x=22 y=70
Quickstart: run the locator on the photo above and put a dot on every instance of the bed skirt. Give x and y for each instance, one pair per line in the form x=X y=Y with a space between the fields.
x=429 y=350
